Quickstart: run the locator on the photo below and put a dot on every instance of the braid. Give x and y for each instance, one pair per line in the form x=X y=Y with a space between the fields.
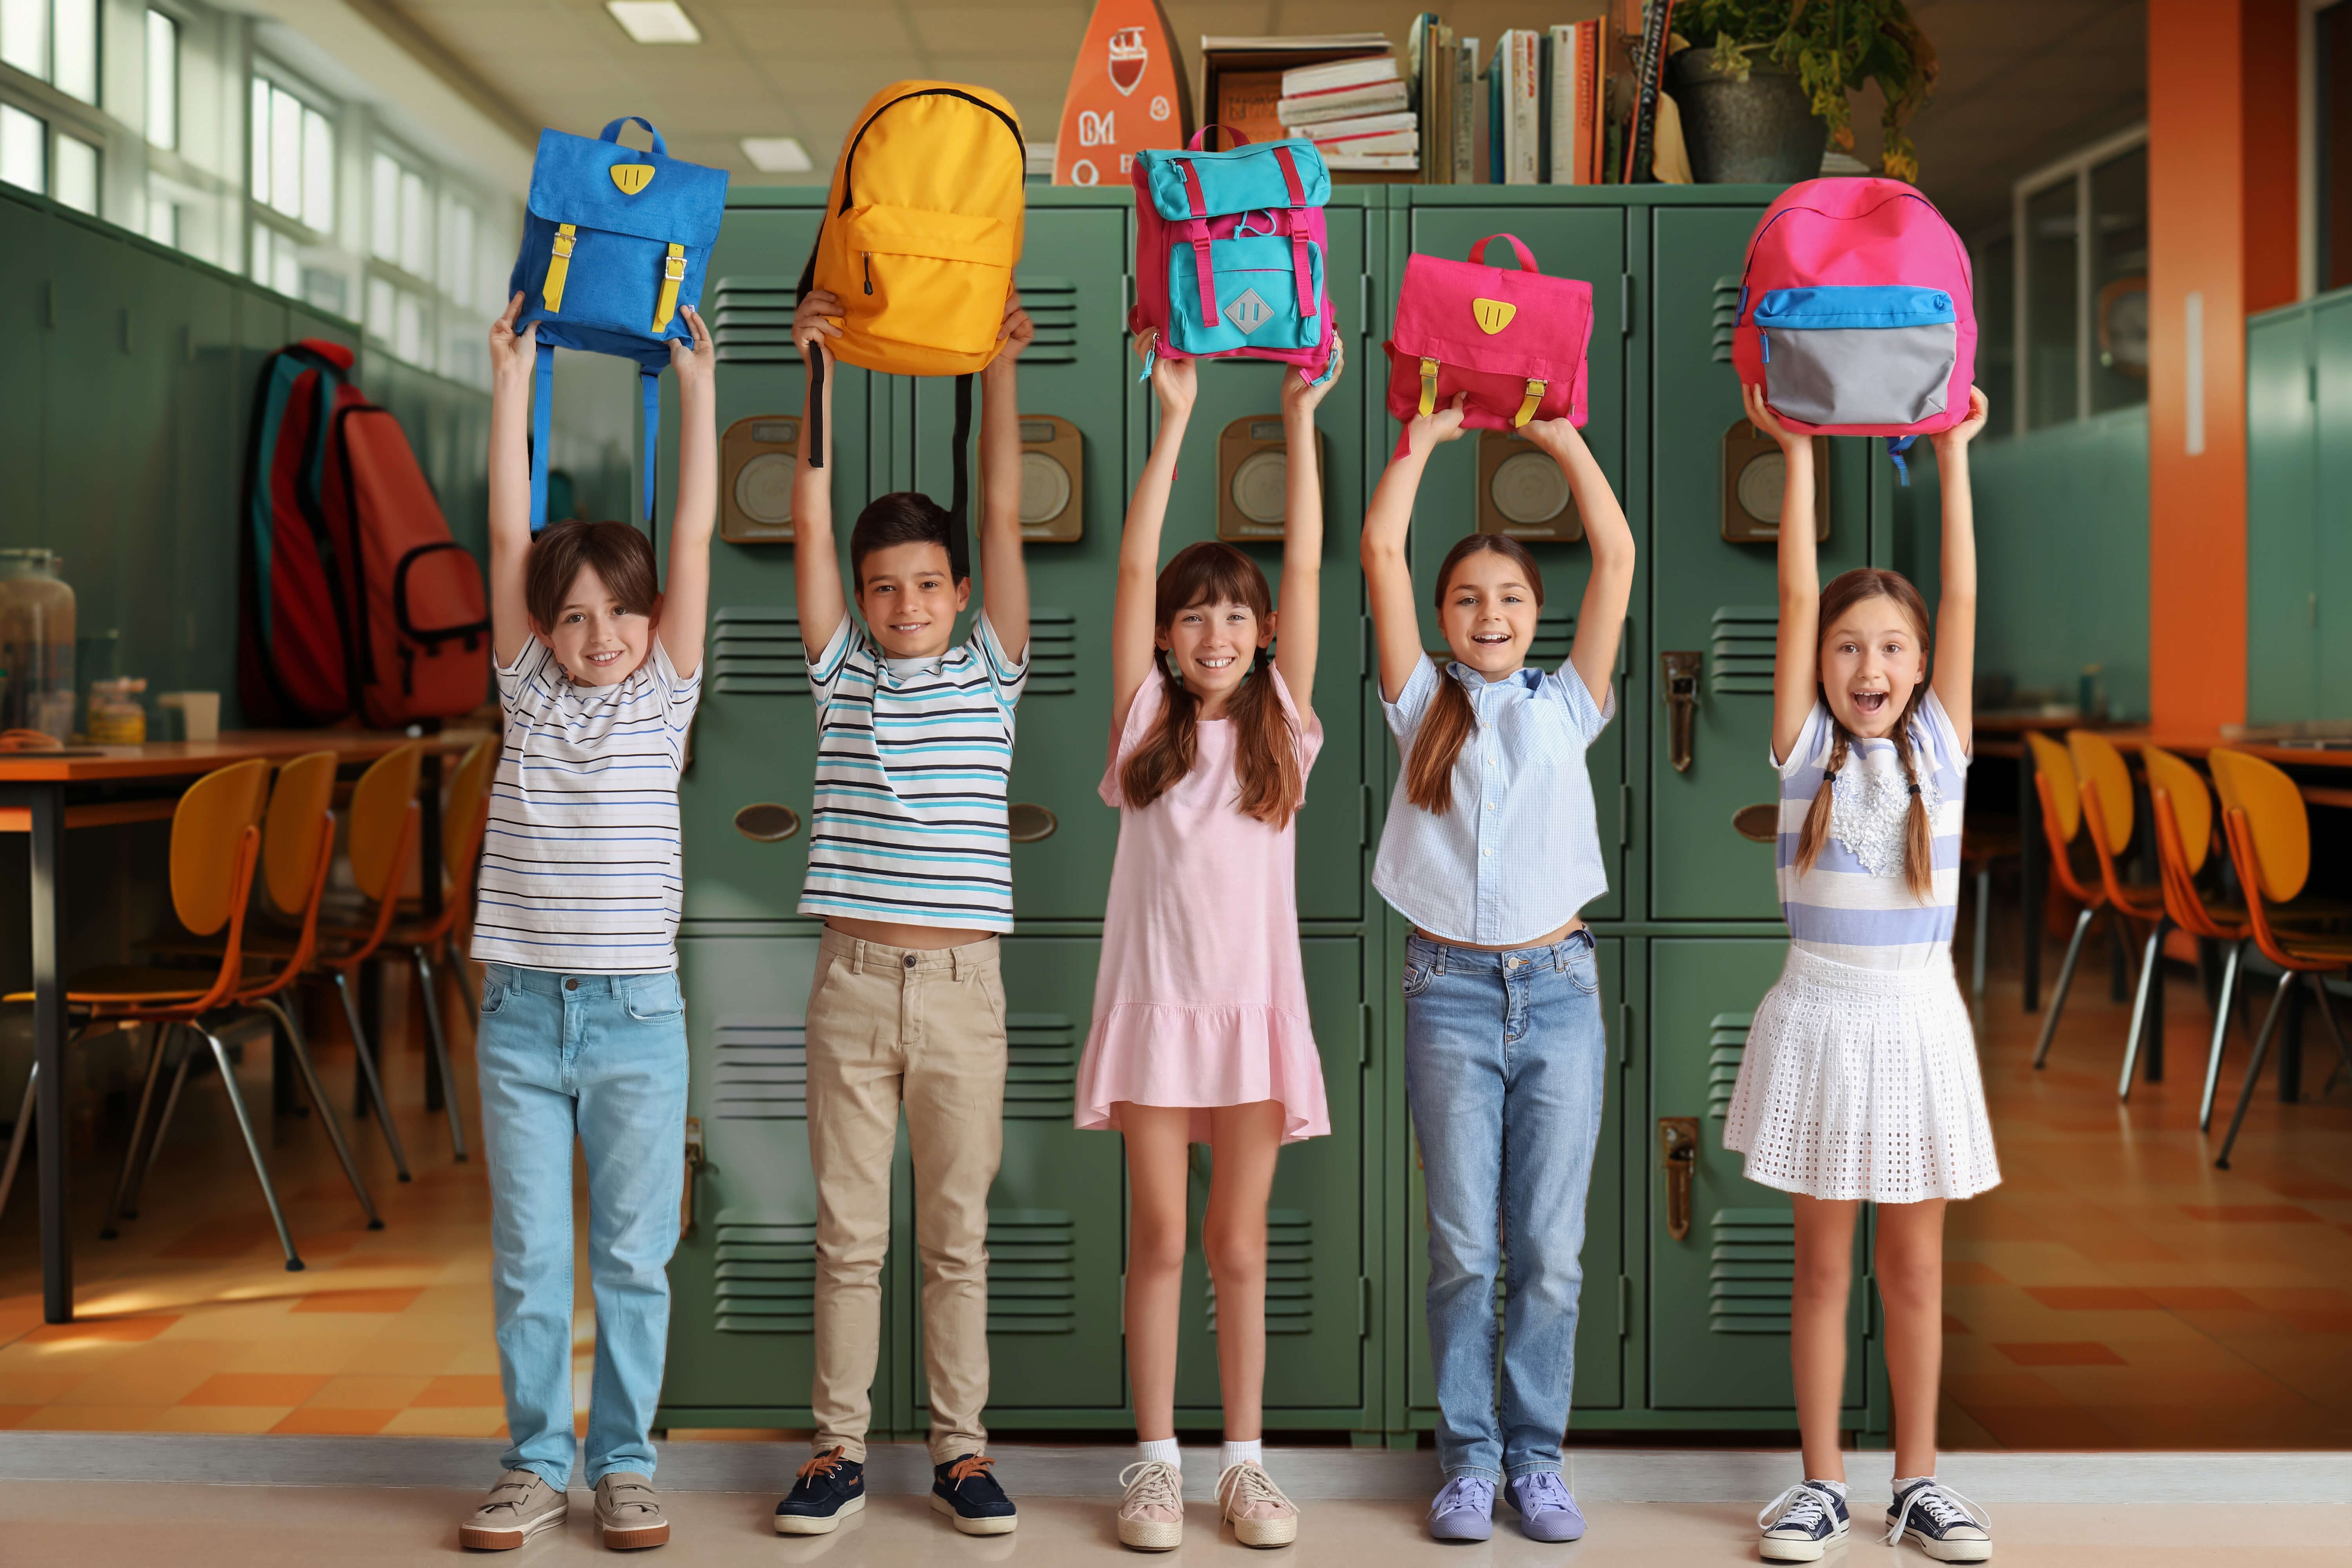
x=1918 y=837
x=1816 y=833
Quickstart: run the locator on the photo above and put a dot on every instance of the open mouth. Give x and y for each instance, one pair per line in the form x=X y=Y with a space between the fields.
x=911 y=628
x=1223 y=661
x=1491 y=640
x=1869 y=703
x=604 y=660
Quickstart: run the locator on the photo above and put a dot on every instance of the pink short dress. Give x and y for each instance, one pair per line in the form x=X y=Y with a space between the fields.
x=1201 y=997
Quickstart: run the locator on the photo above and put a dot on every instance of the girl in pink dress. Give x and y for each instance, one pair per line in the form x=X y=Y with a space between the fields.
x=1200 y=1029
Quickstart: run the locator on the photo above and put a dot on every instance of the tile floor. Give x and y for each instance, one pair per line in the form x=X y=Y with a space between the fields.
x=2114 y=1292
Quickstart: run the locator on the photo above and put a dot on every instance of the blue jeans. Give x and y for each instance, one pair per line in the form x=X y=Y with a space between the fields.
x=1504 y=1056
x=602 y=1057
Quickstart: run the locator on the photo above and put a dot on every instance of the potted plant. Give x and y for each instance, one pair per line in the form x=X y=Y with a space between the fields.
x=1773 y=61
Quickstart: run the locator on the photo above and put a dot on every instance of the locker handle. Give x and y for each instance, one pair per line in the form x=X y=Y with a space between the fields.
x=1678 y=1144
x=1678 y=674
x=767 y=822
x=695 y=1164
x=1758 y=824
x=1026 y=822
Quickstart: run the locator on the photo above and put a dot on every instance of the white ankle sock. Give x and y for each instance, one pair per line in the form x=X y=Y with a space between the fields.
x=1250 y=1453
x=1903 y=1481
x=1162 y=1448
x=1837 y=1486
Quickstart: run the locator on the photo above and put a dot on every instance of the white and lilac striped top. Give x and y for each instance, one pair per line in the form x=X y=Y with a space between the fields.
x=1855 y=906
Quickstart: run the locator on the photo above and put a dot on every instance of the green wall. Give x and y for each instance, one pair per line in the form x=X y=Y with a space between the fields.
x=2298 y=490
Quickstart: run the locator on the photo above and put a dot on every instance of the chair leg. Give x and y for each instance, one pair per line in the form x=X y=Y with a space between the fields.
x=456 y=963
x=367 y=1067
x=2328 y=1011
x=252 y=1147
x=17 y=1135
x=1984 y=925
x=440 y=1049
x=162 y=1125
x=2255 y=1067
x=137 y=1132
x=299 y=1050
x=2221 y=1034
x=2058 y=992
x=2151 y=976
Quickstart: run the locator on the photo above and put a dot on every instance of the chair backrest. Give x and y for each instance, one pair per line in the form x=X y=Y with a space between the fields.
x=2274 y=817
x=208 y=829
x=2100 y=767
x=468 y=811
x=2051 y=761
x=291 y=833
x=2192 y=804
x=380 y=803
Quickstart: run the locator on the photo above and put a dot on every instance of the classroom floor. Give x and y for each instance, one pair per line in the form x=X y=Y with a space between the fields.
x=2114 y=1292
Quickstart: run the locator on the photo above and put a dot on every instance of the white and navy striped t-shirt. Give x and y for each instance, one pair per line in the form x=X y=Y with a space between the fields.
x=912 y=761
x=580 y=860
x=1855 y=905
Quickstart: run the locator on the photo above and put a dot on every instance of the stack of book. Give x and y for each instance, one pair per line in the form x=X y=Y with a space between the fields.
x=1443 y=80
x=1354 y=111
x=1242 y=79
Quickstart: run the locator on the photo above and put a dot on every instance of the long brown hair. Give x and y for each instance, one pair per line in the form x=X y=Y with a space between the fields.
x=1429 y=771
x=1266 y=749
x=1844 y=594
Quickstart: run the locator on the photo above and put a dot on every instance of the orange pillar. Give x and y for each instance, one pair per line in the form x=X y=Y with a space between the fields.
x=2221 y=245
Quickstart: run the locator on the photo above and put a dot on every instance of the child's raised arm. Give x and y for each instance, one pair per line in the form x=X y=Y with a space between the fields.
x=1601 y=621
x=1387 y=521
x=513 y=358
x=1134 y=621
x=1298 y=616
x=1797 y=658
x=686 y=596
x=1956 y=617
x=1004 y=578
x=816 y=574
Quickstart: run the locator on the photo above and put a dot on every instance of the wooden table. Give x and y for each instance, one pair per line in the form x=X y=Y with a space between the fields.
x=142 y=783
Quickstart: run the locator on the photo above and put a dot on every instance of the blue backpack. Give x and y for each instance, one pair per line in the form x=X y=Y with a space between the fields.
x=614 y=242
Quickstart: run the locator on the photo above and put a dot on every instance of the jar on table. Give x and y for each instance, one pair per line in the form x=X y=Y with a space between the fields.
x=117 y=715
x=37 y=644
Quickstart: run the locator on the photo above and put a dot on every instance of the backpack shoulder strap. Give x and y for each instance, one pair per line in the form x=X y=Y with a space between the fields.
x=542 y=420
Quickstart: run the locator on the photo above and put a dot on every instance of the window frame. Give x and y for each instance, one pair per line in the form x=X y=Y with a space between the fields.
x=2075 y=169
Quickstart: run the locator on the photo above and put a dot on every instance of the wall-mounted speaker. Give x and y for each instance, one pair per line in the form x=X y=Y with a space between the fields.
x=757 y=461
x=1053 y=479
x=1522 y=493
x=1754 y=470
x=1254 y=477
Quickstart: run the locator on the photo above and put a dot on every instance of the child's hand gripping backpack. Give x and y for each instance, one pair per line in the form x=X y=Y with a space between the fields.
x=613 y=243
x=1856 y=313
x=1230 y=251
x=1514 y=342
x=921 y=232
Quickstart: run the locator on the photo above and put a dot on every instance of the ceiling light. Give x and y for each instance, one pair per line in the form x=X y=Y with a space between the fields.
x=777 y=154
x=655 y=21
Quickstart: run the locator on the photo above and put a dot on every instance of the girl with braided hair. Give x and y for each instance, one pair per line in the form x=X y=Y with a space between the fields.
x=1859 y=1083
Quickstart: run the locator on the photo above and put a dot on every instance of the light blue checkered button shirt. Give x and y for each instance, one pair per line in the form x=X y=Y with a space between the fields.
x=1518 y=853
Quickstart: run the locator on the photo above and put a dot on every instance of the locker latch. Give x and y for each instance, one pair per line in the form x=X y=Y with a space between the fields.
x=694 y=1164
x=1678 y=1144
x=1679 y=679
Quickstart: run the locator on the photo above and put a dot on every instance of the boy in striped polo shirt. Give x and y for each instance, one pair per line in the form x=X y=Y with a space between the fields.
x=911 y=869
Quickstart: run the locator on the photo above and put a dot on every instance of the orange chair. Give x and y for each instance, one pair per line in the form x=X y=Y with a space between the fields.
x=466 y=816
x=2062 y=818
x=216 y=843
x=2270 y=840
x=2181 y=812
x=2107 y=785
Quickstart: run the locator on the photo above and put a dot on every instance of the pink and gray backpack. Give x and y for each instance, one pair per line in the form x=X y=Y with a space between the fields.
x=1856 y=313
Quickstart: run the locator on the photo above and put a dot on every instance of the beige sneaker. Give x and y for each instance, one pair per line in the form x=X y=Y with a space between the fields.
x=629 y=1513
x=1248 y=1500
x=519 y=1507
x=1151 y=1515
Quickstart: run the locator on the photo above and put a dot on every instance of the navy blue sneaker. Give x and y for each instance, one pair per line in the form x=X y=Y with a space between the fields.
x=964 y=1491
x=1941 y=1522
x=1802 y=1524
x=828 y=1489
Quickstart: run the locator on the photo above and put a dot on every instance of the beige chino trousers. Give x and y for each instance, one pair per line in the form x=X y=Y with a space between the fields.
x=891 y=1028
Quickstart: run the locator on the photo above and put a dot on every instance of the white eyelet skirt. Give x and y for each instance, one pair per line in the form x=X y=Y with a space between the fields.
x=1862 y=1084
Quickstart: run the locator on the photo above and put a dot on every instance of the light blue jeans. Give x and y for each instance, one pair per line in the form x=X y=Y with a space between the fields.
x=1504 y=1056
x=602 y=1058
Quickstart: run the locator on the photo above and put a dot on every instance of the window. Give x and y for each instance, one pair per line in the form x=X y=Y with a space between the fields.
x=459 y=272
x=2080 y=255
x=293 y=157
x=163 y=80
x=21 y=159
x=76 y=174
x=56 y=40
x=398 y=226
x=162 y=217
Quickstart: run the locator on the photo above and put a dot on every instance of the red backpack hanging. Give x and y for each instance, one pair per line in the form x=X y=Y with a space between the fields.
x=294 y=666
x=1514 y=342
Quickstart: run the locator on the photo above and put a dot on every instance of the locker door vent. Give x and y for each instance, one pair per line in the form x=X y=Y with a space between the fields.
x=766 y=1274
x=1555 y=635
x=1727 y=317
x=1041 y=1076
x=1031 y=1271
x=1053 y=652
x=751 y=321
x=1745 y=635
x=1053 y=307
x=1726 y=1043
x=757 y=652
x=1753 y=1269
x=1289 y=1274
x=761 y=1071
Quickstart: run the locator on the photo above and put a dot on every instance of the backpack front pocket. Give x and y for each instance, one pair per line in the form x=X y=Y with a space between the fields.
x=1858 y=355
x=1251 y=297
x=934 y=279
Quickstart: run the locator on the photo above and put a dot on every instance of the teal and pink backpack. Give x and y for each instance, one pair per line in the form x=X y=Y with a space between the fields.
x=1856 y=313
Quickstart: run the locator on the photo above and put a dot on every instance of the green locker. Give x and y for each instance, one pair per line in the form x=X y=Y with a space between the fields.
x=2327 y=605
x=2283 y=493
x=26 y=281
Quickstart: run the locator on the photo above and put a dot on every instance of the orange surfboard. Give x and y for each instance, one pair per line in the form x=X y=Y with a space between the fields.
x=1128 y=91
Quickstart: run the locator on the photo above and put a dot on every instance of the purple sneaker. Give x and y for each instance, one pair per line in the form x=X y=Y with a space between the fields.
x=1547 y=1512
x=1465 y=1510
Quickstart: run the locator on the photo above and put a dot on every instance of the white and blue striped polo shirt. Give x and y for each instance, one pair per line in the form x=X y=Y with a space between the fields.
x=1855 y=906
x=912 y=761
x=579 y=859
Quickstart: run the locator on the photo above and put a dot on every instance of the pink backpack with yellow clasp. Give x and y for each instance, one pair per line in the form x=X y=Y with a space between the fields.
x=1513 y=340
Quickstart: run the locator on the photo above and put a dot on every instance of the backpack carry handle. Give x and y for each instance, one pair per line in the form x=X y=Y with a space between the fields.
x=1519 y=248
x=613 y=133
x=1199 y=142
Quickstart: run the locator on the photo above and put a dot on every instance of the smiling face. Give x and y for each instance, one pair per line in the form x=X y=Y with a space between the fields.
x=910 y=598
x=1874 y=657
x=1487 y=612
x=1215 y=642
x=595 y=638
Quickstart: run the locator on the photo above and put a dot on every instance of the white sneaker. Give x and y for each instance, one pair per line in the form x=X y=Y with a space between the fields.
x=1941 y=1522
x=1151 y=1514
x=519 y=1507
x=1248 y=1500
x=1802 y=1524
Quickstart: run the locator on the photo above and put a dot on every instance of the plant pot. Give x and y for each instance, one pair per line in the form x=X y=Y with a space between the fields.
x=1760 y=132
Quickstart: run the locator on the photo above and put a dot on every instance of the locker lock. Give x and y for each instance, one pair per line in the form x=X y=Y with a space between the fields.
x=1678 y=1144
x=1679 y=674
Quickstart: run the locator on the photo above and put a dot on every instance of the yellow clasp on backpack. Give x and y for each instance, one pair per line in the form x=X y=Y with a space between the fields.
x=558 y=266
x=1428 y=387
x=673 y=273
x=1528 y=407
